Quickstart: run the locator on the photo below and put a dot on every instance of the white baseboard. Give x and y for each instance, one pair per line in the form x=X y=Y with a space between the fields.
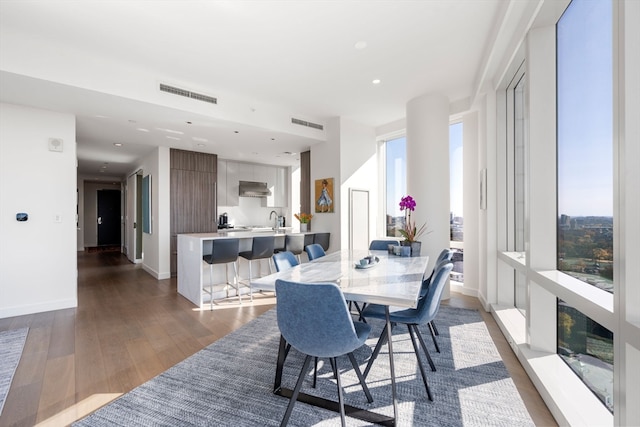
x=37 y=308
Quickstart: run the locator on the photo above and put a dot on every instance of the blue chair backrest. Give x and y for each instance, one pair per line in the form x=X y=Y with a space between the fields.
x=314 y=318
x=284 y=260
x=445 y=255
x=429 y=305
x=427 y=282
x=314 y=251
x=382 y=245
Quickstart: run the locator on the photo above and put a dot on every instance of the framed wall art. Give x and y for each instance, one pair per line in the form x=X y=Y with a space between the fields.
x=324 y=195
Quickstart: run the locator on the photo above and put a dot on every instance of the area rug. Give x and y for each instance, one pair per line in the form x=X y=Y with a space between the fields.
x=11 y=346
x=230 y=383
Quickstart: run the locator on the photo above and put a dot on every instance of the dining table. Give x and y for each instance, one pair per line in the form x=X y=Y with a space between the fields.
x=383 y=278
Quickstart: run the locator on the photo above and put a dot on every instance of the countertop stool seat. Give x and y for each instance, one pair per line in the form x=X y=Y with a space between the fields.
x=223 y=251
x=262 y=247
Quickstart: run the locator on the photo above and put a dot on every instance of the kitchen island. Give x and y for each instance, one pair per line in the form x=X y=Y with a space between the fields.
x=193 y=272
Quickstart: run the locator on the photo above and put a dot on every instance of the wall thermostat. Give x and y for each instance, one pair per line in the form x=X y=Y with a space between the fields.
x=55 y=144
x=22 y=216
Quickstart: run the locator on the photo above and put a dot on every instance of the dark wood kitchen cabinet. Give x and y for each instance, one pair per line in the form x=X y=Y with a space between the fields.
x=193 y=178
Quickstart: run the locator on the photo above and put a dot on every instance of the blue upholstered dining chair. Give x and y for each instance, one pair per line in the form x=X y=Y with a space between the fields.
x=382 y=245
x=284 y=260
x=444 y=258
x=423 y=314
x=313 y=318
x=314 y=251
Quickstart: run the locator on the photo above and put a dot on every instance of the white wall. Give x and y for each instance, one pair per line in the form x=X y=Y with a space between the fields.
x=359 y=170
x=38 y=264
x=348 y=156
x=325 y=163
x=156 y=252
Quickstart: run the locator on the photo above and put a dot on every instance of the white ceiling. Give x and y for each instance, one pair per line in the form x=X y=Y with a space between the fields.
x=293 y=56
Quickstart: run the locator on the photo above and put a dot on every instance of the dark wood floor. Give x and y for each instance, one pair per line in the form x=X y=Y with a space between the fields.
x=128 y=328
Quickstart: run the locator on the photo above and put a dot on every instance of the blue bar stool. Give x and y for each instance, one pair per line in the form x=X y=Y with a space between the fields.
x=223 y=251
x=261 y=248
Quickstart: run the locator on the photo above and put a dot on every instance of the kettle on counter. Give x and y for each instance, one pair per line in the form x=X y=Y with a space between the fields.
x=223 y=220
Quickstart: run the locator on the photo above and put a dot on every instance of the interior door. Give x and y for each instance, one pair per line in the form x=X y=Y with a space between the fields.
x=131 y=219
x=359 y=219
x=108 y=217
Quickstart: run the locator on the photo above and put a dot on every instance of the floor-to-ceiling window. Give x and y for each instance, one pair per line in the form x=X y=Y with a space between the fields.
x=585 y=142
x=516 y=159
x=395 y=154
x=456 y=192
x=585 y=183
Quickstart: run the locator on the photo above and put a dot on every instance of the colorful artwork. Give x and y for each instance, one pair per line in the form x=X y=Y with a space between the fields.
x=324 y=195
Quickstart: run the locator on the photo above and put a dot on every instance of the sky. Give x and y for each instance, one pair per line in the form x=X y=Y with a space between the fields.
x=585 y=120
x=397 y=167
x=585 y=109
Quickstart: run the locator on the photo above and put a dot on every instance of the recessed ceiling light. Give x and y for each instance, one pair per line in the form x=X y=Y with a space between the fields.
x=177 y=132
x=117 y=144
x=361 y=45
x=198 y=139
x=143 y=129
x=236 y=131
x=376 y=81
x=172 y=137
x=188 y=122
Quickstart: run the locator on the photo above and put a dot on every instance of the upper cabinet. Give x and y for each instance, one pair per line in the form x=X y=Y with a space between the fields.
x=230 y=173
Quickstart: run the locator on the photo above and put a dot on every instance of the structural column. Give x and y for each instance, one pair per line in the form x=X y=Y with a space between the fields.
x=428 y=171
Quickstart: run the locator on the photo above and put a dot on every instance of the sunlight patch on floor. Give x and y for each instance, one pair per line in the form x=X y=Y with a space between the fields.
x=79 y=410
x=233 y=303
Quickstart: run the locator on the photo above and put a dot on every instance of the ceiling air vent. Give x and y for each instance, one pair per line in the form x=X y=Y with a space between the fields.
x=307 y=124
x=183 y=92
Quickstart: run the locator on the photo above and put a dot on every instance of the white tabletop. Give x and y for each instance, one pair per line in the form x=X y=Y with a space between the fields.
x=394 y=280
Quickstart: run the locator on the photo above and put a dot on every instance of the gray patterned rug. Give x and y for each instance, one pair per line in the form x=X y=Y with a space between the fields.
x=11 y=345
x=230 y=383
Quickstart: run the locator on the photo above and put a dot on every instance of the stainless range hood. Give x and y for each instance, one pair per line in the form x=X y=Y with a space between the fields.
x=254 y=189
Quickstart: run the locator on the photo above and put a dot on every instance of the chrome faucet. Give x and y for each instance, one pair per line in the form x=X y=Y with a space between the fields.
x=275 y=223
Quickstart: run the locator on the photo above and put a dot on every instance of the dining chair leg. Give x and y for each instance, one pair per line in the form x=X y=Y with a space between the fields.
x=334 y=367
x=296 y=391
x=340 y=397
x=315 y=372
x=433 y=337
x=433 y=325
x=356 y=369
x=381 y=341
x=422 y=372
x=424 y=347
